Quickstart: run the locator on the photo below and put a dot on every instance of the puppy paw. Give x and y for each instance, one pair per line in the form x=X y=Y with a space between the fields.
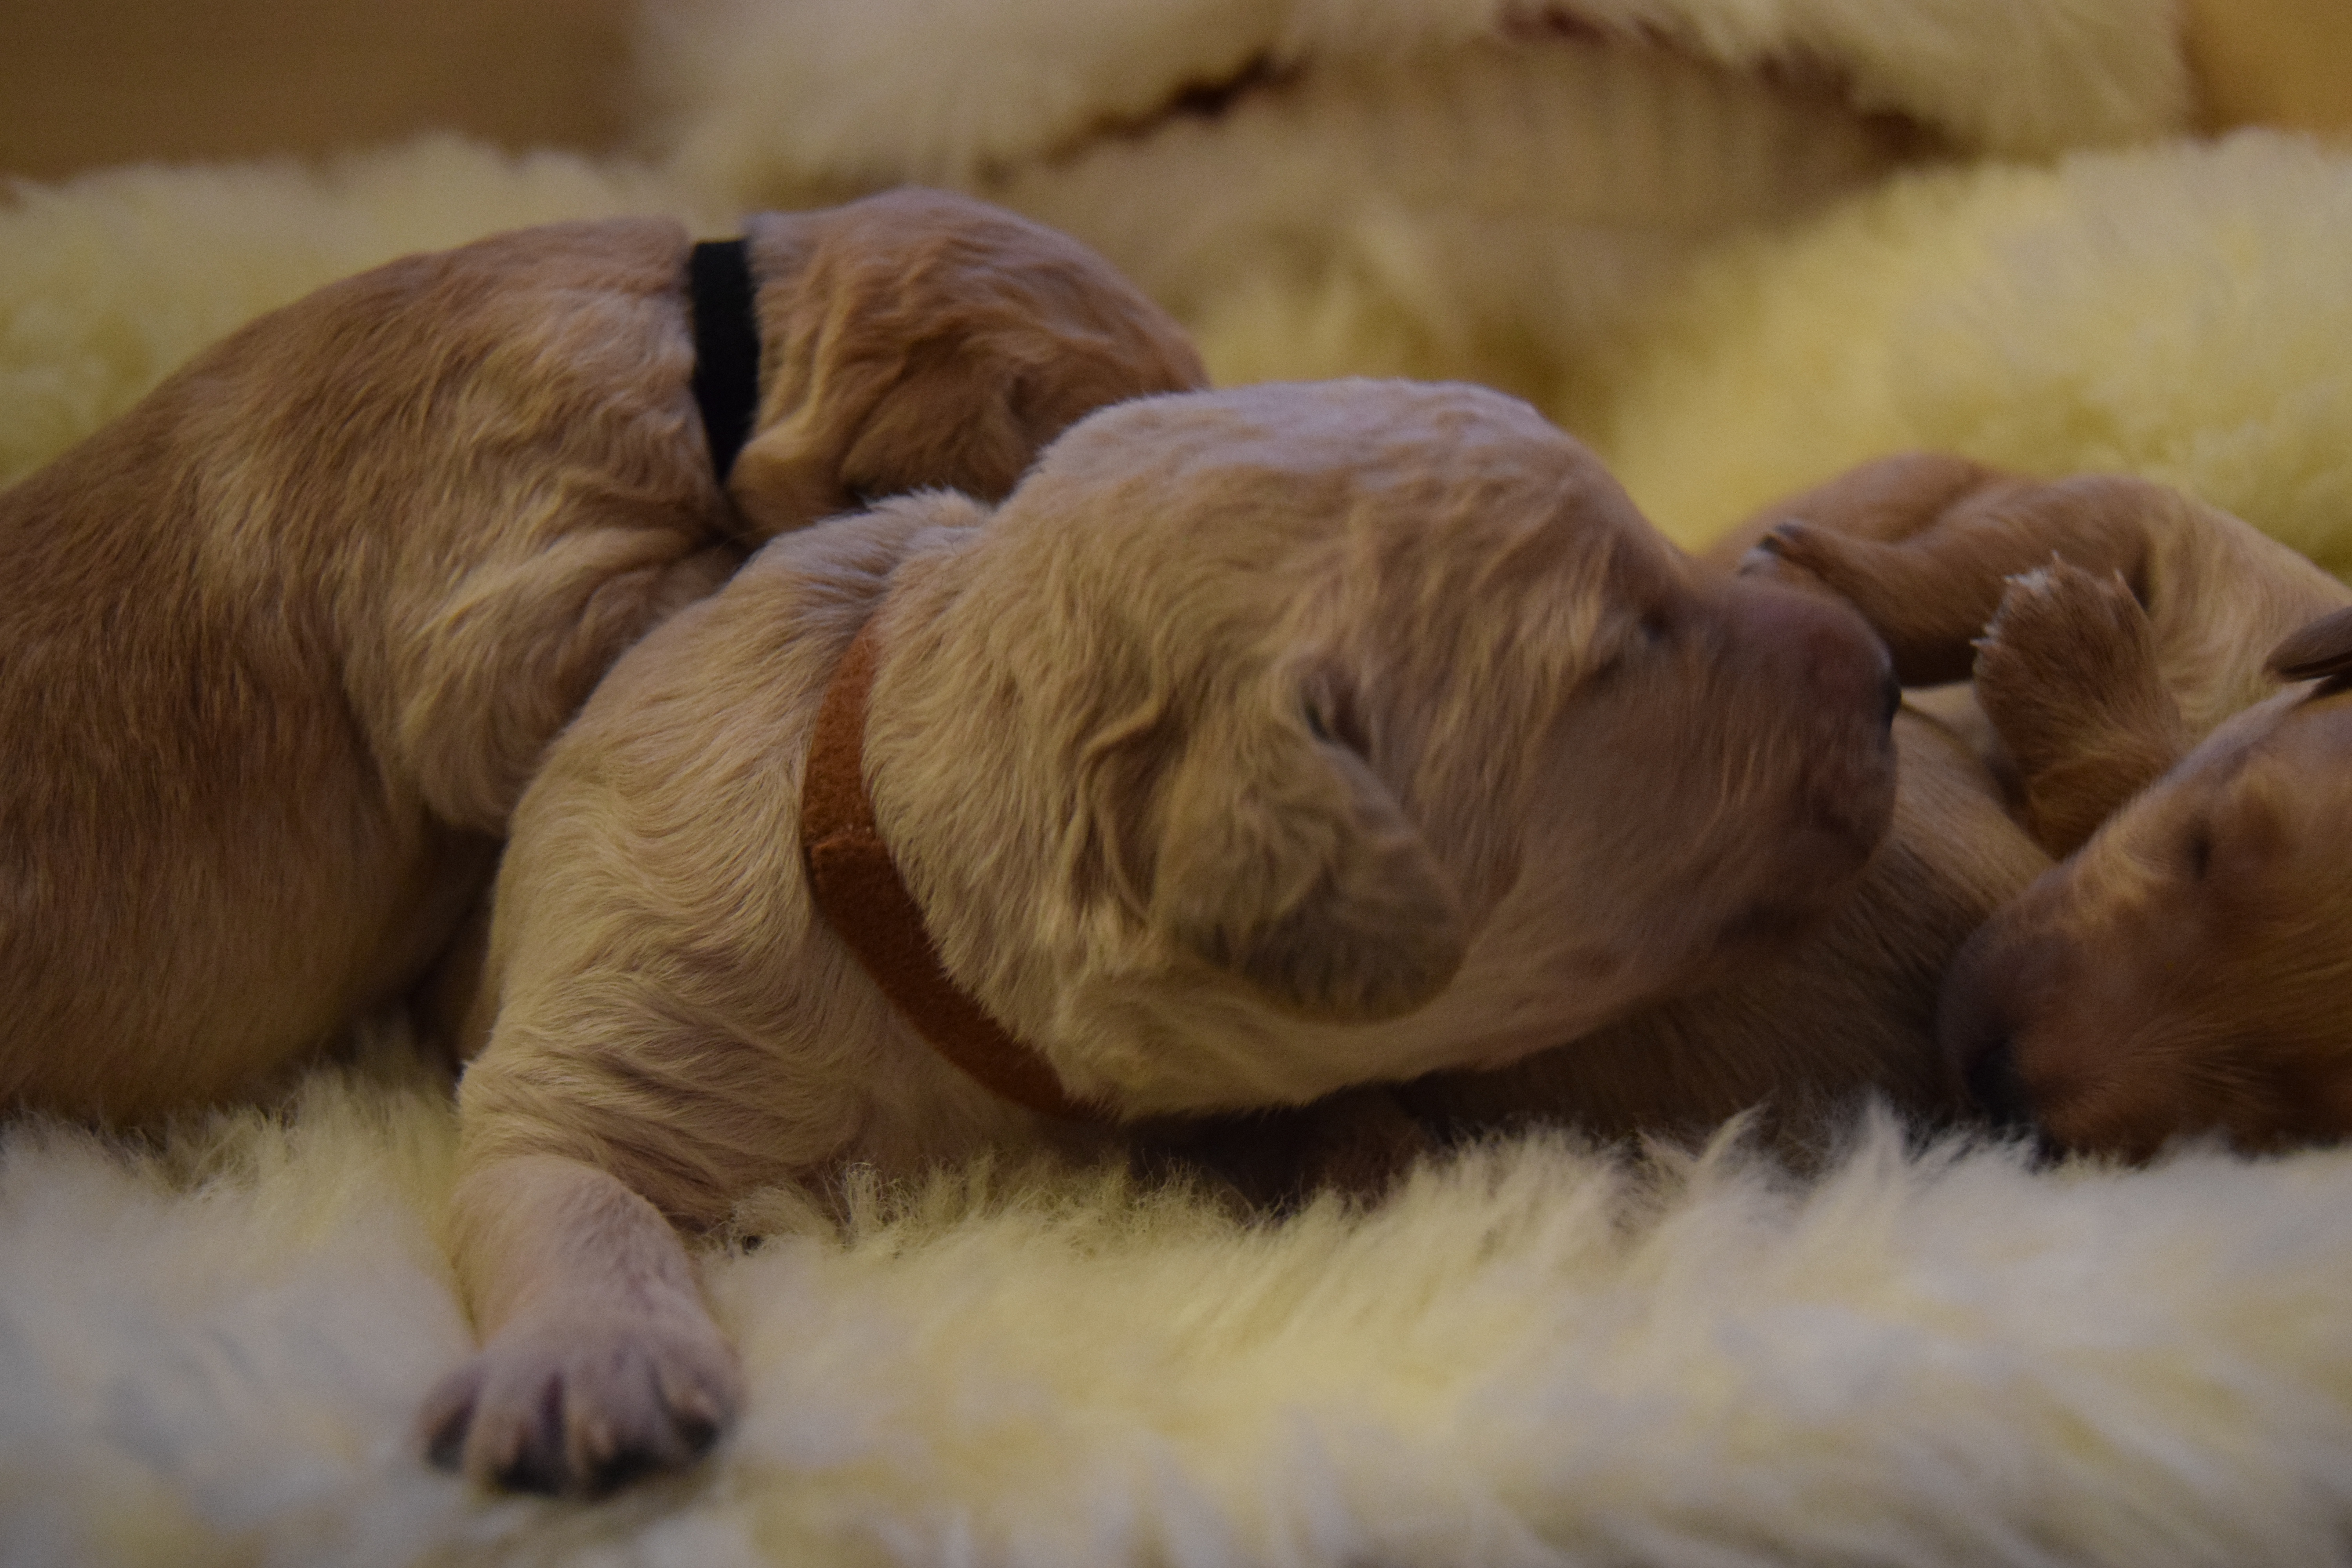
x=2066 y=652
x=576 y=1408
x=1789 y=553
x=2060 y=617
x=1925 y=613
x=2066 y=672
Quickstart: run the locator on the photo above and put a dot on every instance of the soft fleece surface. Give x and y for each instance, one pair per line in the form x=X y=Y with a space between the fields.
x=1534 y=1356
x=210 y=1351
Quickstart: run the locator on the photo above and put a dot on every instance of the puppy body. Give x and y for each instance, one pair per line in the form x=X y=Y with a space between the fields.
x=1262 y=744
x=286 y=641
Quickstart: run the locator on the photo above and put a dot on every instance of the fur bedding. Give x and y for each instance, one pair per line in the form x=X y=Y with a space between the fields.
x=212 y=1347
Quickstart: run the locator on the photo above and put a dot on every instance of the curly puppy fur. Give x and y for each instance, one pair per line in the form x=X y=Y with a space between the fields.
x=284 y=643
x=1262 y=744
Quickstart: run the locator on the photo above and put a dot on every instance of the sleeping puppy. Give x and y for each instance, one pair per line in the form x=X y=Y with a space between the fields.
x=283 y=644
x=1262 y=744
x=2184 y=970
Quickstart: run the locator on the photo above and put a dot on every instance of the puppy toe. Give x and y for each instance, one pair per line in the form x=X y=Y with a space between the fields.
x=578 y=1410
x=1783 y=552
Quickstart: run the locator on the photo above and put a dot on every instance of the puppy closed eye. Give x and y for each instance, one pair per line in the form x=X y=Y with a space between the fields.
x=1641 y=639
x=1331 y=716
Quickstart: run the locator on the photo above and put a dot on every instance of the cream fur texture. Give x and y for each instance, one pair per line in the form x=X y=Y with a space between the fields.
x=1537 y=1356
x=829 y=89
x=2178 y=312
x=1459 y=187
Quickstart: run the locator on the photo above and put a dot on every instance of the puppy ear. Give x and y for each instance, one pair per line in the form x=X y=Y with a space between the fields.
x=2321 y=650
x=861 y=417
x=789 y=474
x=917 y=340
x=1283 y=861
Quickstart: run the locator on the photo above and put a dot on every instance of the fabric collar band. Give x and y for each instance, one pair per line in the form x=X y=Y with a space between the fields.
x=858 y=891
x=726 y=346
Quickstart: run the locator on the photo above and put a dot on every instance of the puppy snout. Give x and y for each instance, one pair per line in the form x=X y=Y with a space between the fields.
x=1820 y=669
x=1821 y=645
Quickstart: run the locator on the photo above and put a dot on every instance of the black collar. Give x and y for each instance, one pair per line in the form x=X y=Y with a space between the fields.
x=726 y=346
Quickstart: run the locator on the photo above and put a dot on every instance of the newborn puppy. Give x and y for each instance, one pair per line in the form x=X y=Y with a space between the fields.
x=1261 y=745
x=283 y=644
x=2190 y=968
x=2185 y=968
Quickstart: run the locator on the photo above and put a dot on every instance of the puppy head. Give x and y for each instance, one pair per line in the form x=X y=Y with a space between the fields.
x=918 y=339
x=1370 y=706
x=2186 y=969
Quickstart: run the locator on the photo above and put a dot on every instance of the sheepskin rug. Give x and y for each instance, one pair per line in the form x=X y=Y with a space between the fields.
x=1536 y=1353
x=1539 y=1352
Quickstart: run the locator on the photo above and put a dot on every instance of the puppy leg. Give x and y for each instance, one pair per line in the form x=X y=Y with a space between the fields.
x=2067 y=674
x=599 y=1361
x=1930 y=589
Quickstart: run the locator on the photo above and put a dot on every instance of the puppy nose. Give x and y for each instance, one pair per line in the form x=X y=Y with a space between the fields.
x=1821 y=645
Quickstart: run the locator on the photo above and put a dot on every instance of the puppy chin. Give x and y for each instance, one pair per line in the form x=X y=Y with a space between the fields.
x=1844 y=817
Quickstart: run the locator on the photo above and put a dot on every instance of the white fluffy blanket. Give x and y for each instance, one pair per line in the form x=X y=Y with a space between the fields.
x=210 y=1350
x=1534 y=1356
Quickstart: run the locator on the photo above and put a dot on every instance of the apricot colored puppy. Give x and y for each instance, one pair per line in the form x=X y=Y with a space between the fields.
x=283 y=644
x=2188 y=969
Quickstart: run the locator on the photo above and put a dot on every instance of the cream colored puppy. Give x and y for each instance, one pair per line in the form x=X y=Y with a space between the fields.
x=282 y=644
x=2185 y=968
x=1262 y=744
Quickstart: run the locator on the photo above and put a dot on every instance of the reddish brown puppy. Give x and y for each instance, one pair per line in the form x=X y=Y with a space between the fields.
x=2188 y=969
x=2184 y=970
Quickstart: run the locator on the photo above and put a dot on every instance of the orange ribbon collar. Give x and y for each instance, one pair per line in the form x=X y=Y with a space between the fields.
x=858 y=891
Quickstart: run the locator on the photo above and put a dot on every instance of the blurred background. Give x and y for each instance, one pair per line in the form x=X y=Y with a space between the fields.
x=89 y=83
